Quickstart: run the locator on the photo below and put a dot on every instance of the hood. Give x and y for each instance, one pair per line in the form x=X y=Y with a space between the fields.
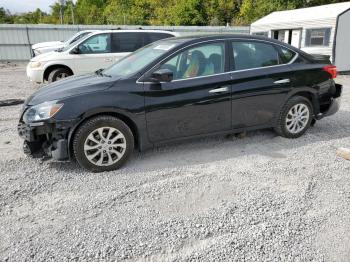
x=44 y=57
x=48 y=44
x=70 y=87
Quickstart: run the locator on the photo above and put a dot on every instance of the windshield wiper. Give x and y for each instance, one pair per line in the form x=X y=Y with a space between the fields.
x=100 y=72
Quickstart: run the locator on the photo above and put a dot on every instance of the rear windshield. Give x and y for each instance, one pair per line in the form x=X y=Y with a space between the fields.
x=136 y=61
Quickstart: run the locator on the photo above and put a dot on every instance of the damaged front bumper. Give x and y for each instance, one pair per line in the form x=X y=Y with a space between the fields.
x=46 y=139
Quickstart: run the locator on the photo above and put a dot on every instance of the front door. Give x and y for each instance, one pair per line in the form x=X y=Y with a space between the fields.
x=94 y=53
x=261 y=80
x=197 y=101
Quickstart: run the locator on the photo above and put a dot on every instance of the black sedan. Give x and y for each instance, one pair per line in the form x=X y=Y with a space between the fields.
x=179 y=88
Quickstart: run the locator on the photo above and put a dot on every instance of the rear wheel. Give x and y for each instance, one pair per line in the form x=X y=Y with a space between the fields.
x=103 y=143
x=295 y=117
x=58 y=74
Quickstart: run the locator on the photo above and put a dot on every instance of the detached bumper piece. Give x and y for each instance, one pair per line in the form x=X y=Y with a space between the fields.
x=43 y=140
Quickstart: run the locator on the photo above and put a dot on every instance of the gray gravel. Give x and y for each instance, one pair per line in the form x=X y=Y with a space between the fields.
x=261 y=198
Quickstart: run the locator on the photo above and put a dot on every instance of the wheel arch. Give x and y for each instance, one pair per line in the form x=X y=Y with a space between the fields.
x=127 y=120
x=50 y=68
x=309 y=94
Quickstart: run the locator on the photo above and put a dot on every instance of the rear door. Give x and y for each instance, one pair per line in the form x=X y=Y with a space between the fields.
x=94 y=53
x=261 y=80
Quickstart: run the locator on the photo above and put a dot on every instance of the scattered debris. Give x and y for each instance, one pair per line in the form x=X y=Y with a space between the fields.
x=241 y=135
x=344 y=153
x=11 y=102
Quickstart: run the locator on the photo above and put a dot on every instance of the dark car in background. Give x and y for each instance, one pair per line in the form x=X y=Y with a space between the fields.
x=179 y=88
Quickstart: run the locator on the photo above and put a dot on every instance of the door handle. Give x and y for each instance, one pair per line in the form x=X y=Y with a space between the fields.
x=108 y=59
x=282 y=81
x=219 y=90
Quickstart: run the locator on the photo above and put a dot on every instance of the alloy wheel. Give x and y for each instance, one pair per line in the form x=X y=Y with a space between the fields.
x=61 y=76
x=105 y=146
x=297 y=118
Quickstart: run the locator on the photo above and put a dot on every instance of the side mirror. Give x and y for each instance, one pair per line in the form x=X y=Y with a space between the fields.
x=75 y=50
x=163 y=75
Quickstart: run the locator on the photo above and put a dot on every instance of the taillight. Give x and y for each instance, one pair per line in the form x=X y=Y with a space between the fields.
x=332 y=70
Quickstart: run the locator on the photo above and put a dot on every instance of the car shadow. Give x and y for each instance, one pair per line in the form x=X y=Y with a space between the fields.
x=219 y=148
x=66 y=166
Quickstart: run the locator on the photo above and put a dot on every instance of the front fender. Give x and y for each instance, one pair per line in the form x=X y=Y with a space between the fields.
x=126 y=105
x=58 y=63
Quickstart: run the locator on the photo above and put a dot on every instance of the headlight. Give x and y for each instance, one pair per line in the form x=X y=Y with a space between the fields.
x=34 y=64
x=42 y=111
x=37 y=52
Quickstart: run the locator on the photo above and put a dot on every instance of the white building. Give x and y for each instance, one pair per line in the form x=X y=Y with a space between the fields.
x=316 y=30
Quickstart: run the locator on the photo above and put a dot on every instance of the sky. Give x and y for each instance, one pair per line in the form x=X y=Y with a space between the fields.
x=18 y=6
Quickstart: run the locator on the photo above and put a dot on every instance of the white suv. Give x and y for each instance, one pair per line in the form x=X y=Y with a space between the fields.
x=95 y=51
x=44 y=47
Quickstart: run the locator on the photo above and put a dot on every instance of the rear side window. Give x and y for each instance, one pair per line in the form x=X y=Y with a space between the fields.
x=126 y=42
x=153 y=37
x=286 y=55
x=250 y=54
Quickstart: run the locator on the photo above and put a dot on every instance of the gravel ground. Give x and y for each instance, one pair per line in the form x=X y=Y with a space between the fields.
x=260 y=198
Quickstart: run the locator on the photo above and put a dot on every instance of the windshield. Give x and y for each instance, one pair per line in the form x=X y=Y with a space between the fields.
x=134 y=62
x=67 y=47
x=75 y=37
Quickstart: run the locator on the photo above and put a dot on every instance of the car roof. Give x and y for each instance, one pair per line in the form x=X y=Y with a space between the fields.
x=197 y=38
x=89 y=30
x=204 y=37
x=137 y=30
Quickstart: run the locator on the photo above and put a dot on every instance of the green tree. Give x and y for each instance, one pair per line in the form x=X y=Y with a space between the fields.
x=90 y=11
x=160 y=12
x=252 y=10
x=35 y=17
x=5 y=16
x=223 y=11
x=187 y=12
x=141 y=12
x=118 y=11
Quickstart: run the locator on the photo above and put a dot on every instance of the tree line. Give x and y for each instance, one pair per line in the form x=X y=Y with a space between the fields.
x=157 y=12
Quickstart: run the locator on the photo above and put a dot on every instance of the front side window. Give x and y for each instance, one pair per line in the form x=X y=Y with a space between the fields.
x=249 y=54
x=203 y=60
x=96 y=44
x=317 y=37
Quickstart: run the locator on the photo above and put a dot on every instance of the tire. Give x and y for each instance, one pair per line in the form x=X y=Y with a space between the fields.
x=58 y=74
x=295 y=117
x=114 y=148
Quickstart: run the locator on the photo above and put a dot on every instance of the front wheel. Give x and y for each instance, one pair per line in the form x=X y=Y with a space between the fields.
x=295 y=118
x=58 y=74
x=103 y=143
